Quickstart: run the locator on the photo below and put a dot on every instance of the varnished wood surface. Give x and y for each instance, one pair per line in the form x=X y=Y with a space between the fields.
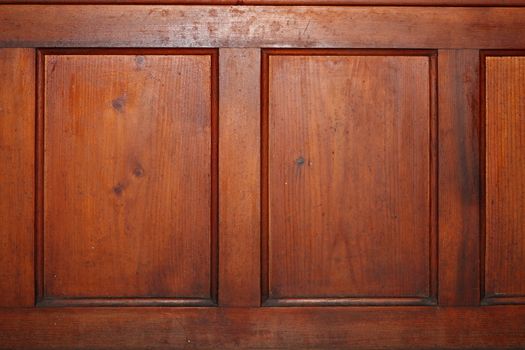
x=261 y=26
x=127 y=174
x=264 y=328
x=239 y=188
x=350 y=176
x=17 y=132
x=504 y=131
x=459 y=184
x=282 y=2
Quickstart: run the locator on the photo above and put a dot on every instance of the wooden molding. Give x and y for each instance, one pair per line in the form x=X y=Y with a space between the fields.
x=261 y=26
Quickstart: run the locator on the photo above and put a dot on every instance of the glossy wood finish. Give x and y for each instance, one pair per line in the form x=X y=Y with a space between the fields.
x=127 y=170
x=375 y=328
x=17 y=132
x=459 y=197
x=149 y=191
x=504 y=170
x=260 y=26
x=282 y=2
x=239 y=264
x=349 y=174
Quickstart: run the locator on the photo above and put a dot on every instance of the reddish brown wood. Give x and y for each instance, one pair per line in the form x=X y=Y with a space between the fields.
x=283 y=2
x=17 y=129
x=128 y=165
x=335 y=174
x=239 y=188
x=261 y=26
x=349 y=177
x=504 y=170
x=459 y=198
x=497 y=327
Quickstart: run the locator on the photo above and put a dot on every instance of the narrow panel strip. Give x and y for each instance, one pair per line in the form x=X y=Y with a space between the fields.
x=239 y=179
x=17 y=138
x=459 y=186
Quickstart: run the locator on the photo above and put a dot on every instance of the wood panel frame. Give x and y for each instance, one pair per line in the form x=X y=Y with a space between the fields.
x=489 y=299
x=41 y=299
x=262 y=26
x=239 y=159
x=495 y=327
x=431 y=299
x=459 y=184
x=17 y=138
x=486 y=3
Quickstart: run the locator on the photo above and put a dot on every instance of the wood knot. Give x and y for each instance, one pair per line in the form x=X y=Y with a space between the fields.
x=118 y=189
x=119 y=103
x=300 y=161
x=138 y=171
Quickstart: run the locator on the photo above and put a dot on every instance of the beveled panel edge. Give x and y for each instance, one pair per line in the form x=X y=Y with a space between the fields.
x=121 y=302
x=489 y=298
x=41 y=300
x=352 y=301
x=431 y=299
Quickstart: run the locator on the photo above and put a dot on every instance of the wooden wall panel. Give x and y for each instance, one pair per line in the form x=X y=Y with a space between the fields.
x=504 y=168
x=261 y=26
x=349 y=176
x=283 y=2
x=17 y=130
x=373 y=328
x=239 y=188
x=459 y=184
x=128 y=178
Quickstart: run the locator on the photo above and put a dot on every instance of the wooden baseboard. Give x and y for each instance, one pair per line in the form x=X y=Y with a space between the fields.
x=495 y=327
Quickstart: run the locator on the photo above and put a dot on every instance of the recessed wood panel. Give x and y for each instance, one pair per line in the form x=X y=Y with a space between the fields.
x=348 y=173
x=504 y=179
x=17 y=131
x=127 y=178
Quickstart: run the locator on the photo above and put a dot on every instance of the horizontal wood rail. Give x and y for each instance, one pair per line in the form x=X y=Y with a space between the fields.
x=496 y=327
x=259 y=26
x=283 y=2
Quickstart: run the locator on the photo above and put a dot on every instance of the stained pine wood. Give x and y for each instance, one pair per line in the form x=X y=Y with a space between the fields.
x=260 y=26
x=127 y=177
x=497 y=327
x=349 y=181
x=282 y=2
x=504 y=167
x=459 y=197
x=17 y=128
x=239 y=264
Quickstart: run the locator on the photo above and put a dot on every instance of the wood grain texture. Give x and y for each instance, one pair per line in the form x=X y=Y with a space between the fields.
x=127 y=177
x=504 y=170
x=17 y=130
x=282 y=2
x=239 y=188
x=260 y=26
x=497 y=327
x=347 y=171
x=459 y=185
